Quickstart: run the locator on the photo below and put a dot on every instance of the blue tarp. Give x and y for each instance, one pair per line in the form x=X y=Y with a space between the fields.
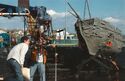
x=6 y=39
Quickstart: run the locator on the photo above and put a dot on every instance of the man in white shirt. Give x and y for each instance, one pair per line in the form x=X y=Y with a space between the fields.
x=16 y=56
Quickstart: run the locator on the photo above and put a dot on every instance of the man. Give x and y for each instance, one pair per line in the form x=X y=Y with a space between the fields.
x=39 y=63
x=16 y=56
x=38 y=58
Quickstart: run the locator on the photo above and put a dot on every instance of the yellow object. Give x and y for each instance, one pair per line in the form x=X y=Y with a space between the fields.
x=1 y=39
x=44 y=56
x=26 y=73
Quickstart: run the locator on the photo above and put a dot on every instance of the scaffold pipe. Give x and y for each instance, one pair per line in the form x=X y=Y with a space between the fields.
x=14 y=14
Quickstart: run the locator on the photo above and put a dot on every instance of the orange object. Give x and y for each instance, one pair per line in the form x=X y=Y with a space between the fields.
x=34 y=54
x=109 y=44
x=44 y=56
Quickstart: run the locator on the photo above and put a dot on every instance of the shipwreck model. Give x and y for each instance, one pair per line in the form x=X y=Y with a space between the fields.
x=101 y=43
x=97 y=35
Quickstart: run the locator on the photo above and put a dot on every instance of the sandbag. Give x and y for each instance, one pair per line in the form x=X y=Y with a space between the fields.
x=26 y=73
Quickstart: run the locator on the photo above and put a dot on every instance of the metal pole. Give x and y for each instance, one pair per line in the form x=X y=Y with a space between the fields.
x=24 y=26
x=65 y=22
x=56 y=65
x=56 y=54
x=14 y=14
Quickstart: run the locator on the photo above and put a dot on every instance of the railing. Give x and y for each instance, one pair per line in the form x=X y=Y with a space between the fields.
x=66 y=42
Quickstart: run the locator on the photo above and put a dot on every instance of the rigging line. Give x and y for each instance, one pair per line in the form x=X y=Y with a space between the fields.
x=24 y=25
x=88 y=9
x=72 y=14
x=84 y=10
x=65 y=21
x=77 y=16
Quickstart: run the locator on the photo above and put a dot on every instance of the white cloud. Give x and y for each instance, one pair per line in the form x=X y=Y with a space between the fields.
x=62 y=19
x=56 y=15
x=112 y=20
x=119 y=23
x=115 y=21
x=123 y=22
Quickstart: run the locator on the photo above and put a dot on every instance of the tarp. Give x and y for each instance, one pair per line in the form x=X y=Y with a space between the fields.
x=1 y=31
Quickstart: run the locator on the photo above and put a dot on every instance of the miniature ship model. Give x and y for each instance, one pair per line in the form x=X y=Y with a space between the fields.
x=100 y=41
x=97 y=35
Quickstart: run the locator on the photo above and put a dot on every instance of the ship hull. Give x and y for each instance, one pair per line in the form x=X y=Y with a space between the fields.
x=97 y=36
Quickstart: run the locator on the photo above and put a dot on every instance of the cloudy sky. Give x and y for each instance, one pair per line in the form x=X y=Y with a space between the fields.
x=112 y=11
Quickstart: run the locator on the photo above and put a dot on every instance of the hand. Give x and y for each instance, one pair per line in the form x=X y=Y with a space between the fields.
x=21 y=65
x=53 y=45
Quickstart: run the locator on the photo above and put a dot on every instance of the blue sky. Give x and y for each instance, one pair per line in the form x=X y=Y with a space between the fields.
x=112 y=11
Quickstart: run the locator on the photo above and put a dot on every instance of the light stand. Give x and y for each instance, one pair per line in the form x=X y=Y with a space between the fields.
x=56 y=54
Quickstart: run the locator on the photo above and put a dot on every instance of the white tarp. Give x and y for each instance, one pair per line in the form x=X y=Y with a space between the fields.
x=2 y=31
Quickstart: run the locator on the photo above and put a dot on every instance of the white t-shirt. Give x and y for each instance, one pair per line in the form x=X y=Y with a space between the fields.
x=39 y=58
x=18 y=53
